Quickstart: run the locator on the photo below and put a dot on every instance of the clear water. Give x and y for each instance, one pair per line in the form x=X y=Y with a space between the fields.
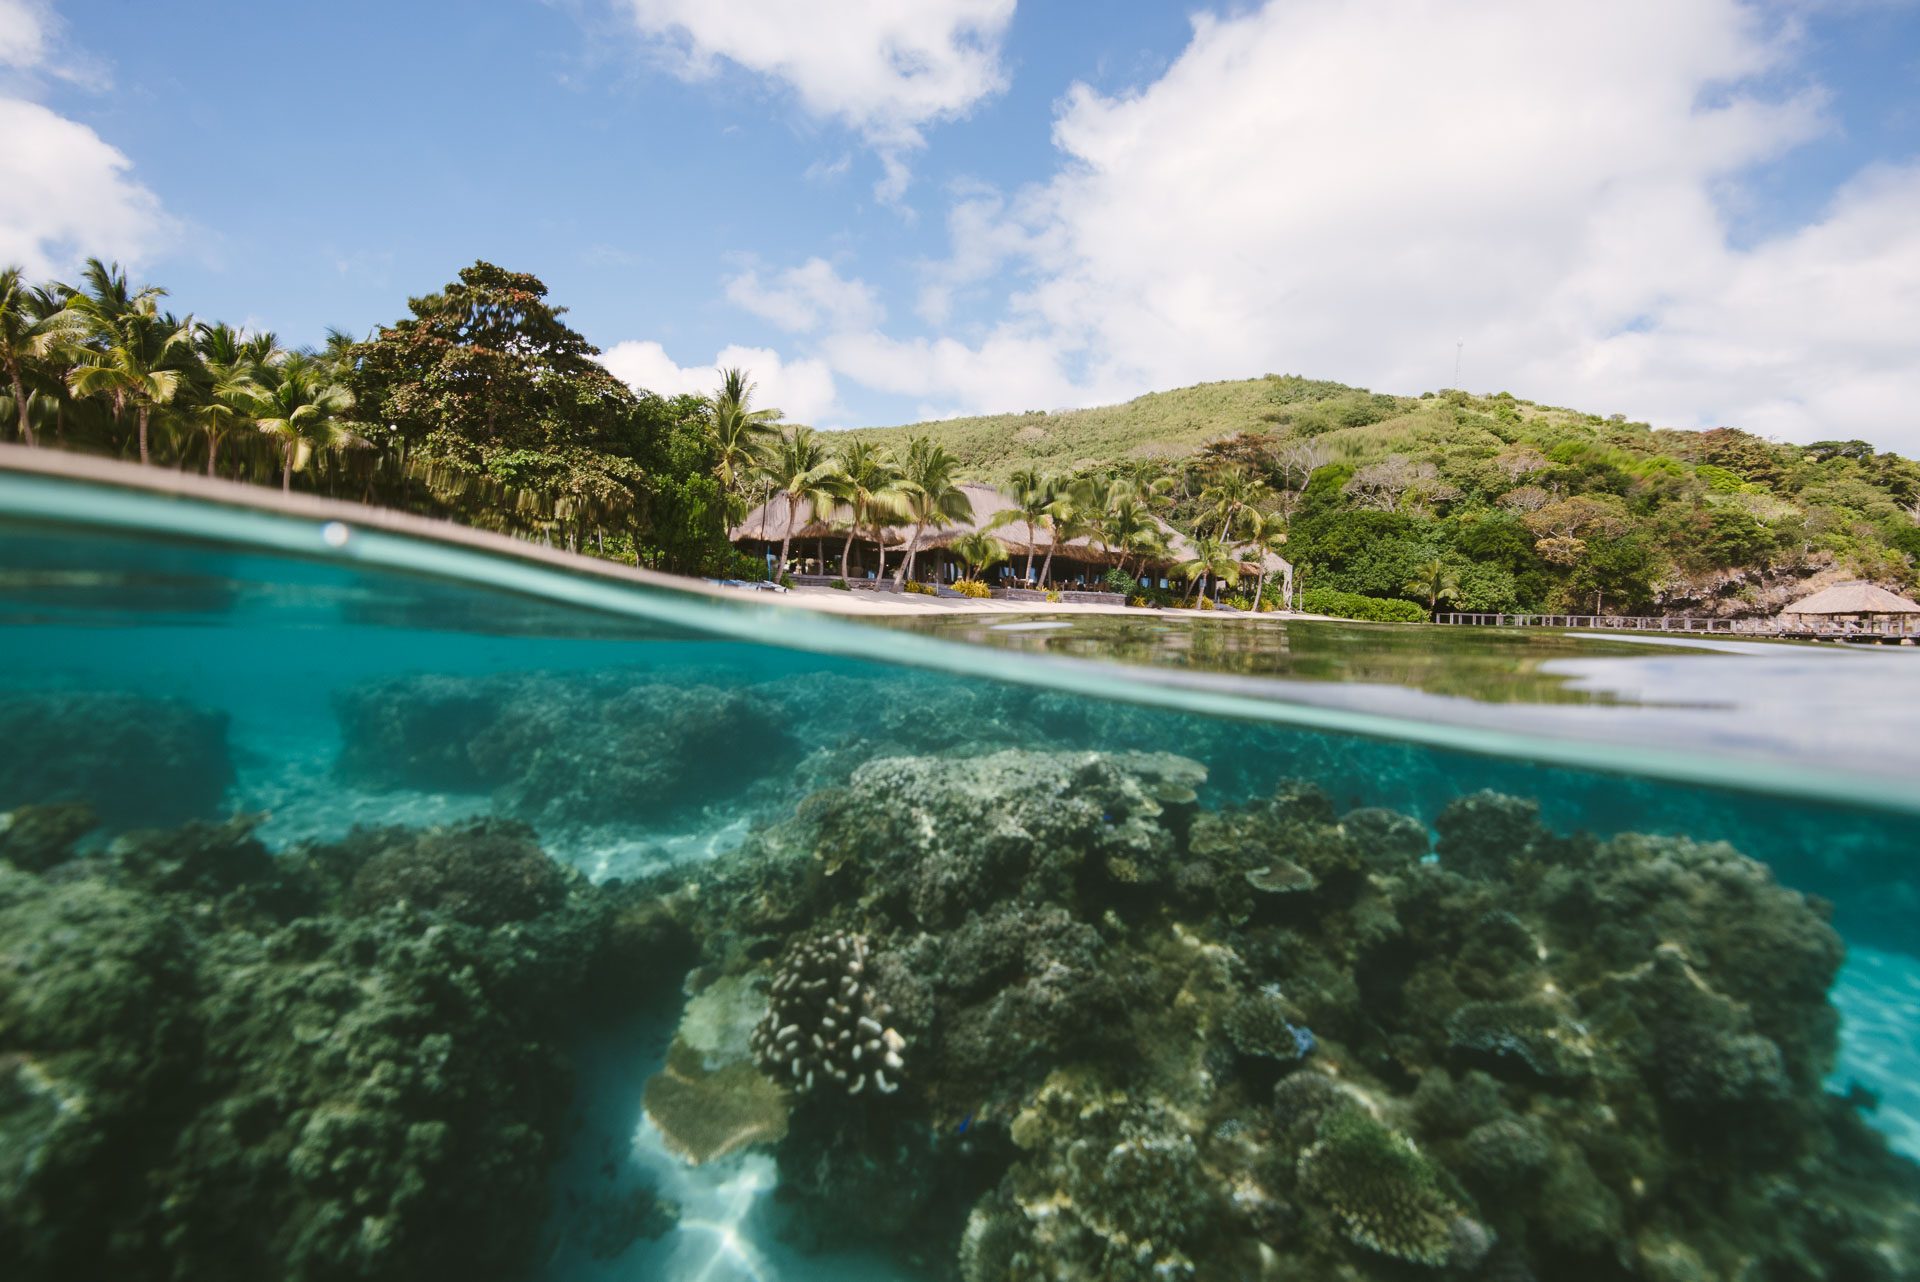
x=1219 y=965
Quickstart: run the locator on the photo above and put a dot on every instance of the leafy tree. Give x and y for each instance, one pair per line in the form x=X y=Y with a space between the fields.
x=1035 y=502
x=741 y=435
x=29 y=331
x=222 y=396
x=1210 y=560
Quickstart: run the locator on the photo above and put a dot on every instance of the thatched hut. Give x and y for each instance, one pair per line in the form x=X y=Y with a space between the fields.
x=1856 y=602
x=821 y=543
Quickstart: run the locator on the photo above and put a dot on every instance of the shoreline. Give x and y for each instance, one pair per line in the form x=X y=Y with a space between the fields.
x=858 y=603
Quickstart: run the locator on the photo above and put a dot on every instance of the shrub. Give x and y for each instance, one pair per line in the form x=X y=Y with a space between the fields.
x=786 y=580
x=923 y=589
x=1139 y=602
x=842 y=584
x=1206 y=603
x=1118 y=580
x=1351 y=605
x=1053 y=597
x=973 y=588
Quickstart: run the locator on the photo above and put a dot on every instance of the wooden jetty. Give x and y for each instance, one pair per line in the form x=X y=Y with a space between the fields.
x=1798 y=627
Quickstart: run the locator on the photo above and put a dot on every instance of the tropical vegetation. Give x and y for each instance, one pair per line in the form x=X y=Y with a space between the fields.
x=482 y=405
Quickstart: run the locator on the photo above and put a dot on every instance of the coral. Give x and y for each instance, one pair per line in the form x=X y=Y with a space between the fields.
x=1257 y=1024
x=1526 y=1035
x=824 y=1023
x=1385 y=1194
x=140 y=762
x=35 y=838
x=486 y=871
x=704 y=1114
x=219 y=1065
x=1507 y=1150
x=1391 y=840
x=554 y=750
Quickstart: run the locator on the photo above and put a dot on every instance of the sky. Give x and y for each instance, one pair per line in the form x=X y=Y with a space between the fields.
x=1690 y=212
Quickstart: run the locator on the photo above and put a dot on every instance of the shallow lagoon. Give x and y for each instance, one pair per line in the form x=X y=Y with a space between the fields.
x=1171 y=993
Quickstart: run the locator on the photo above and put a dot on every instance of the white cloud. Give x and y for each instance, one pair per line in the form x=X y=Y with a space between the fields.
x=1345 y=188
x=65 y=193
x=804 y=389
x=801 y=298
x=882 y=67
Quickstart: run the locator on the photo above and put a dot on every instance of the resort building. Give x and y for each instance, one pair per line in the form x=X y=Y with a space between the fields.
x=826 y=547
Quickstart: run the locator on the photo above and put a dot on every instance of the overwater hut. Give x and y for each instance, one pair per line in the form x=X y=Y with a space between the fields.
x=1860 y=605
x=817 y=545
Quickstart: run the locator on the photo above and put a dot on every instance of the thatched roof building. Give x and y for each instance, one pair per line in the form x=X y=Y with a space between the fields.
x=771 y=522
x=1852 y=599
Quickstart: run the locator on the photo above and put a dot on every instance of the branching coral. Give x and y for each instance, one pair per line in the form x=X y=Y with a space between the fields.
x=825 y=1023
x=1386 y=1195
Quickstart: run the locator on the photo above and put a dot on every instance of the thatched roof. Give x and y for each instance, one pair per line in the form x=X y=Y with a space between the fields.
x=768 y=523
x=1853 y=598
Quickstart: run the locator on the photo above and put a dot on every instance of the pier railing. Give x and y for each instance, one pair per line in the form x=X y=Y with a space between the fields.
x=1787 y=626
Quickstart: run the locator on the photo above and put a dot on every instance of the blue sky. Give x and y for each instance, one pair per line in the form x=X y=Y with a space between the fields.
x=1691 y=211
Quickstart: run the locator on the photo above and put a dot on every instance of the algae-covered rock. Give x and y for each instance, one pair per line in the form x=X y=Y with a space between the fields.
x=706 y=1113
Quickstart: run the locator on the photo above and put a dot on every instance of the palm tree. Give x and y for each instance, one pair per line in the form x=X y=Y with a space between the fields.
x=799 y=470
x=32 y=324
x=1210 y=560
x=979 y=550
x=1262 y=533
x=1130 y=528
x=297 y=402
x=870 y=483
x=741 y=435
x=133 y=351
x=933 y=492
x=1232 y=493
x=1436 y=581
x=223 y=397
x=1033 y=498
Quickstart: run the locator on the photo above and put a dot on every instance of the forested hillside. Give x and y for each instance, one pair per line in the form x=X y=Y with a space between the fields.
x=1519 y=506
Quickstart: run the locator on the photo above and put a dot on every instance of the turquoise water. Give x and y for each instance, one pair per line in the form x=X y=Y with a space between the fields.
x=379 y=908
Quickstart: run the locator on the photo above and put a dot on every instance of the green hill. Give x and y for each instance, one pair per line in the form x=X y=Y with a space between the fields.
x=1491 y=502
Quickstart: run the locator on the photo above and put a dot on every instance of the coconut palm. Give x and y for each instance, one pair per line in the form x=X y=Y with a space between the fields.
x=1210 y=560
x=295 y=400
x=931 y=481
x=1130 y=528
x=868 y=481
x=221 y=399
x=133 y=353
x=1034 y=497
x=32 y=323
x=1225 y=501
x=1261 y=533
x=799 y=470
x=1435 y=580
x=979 y=550
x=741 y=435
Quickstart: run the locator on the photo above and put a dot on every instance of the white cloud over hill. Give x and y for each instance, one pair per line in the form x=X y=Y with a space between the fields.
x=804 y=389
x=1347 y=188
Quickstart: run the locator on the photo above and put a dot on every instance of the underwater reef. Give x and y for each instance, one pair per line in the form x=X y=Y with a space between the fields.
x=137 y=761
x=641 y=747
x=1130 y=1036
x=340 y=1062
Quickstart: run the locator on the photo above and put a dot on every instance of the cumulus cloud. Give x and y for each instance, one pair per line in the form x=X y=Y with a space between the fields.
x=804 y=389
x=804 y=298
x=882 y=68
x=64 y=191
x=1347 y=188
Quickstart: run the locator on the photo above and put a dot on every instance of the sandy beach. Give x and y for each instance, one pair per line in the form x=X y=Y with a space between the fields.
x=867 y=603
